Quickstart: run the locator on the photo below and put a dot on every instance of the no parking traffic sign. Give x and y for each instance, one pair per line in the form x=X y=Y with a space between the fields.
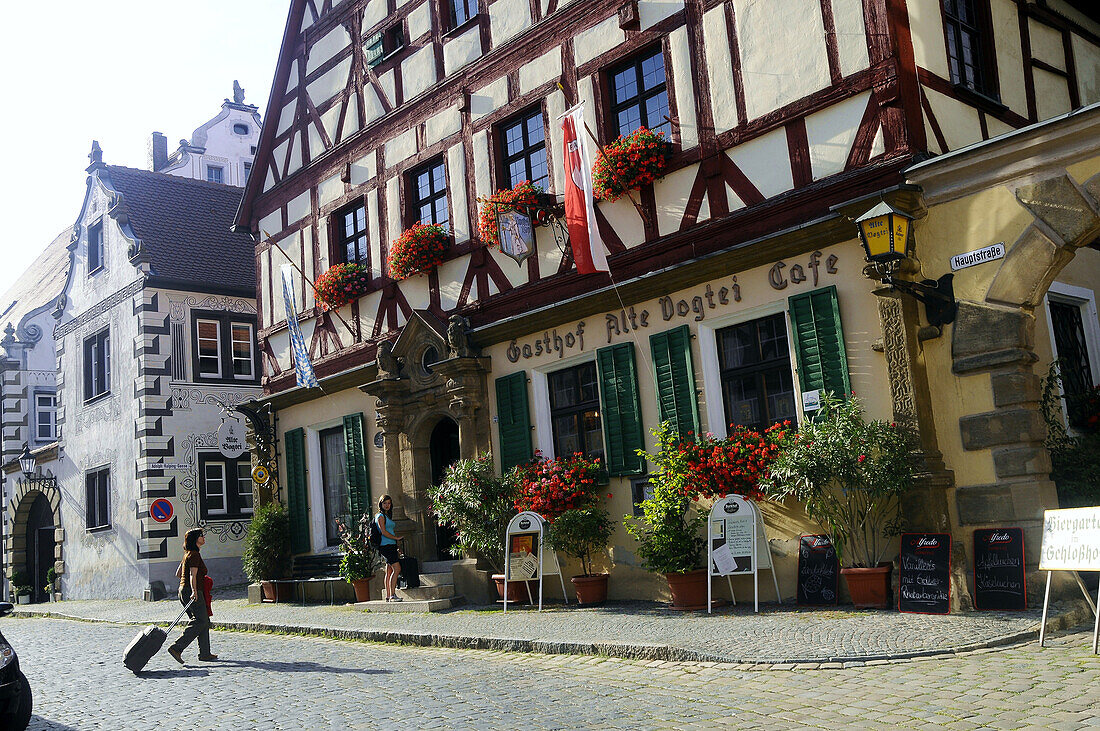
x=161 y=510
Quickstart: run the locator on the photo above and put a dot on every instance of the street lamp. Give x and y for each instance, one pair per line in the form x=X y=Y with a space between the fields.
x=26 y=461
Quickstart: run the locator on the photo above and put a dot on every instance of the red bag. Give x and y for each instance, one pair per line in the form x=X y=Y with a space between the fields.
x=207 y=589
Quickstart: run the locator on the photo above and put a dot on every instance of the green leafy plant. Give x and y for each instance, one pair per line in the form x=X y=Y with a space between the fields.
x=581 y=534
x=849 y=473
x=477 y=503
x=1074 y=458
x=360 y=558
x=51 y=576
x=267 y=544
x=21 y=583
x=668 y=531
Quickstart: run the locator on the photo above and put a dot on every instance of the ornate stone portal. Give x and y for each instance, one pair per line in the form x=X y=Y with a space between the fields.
x=428 y=374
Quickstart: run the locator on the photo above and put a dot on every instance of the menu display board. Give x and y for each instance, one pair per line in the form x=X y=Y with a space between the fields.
x=818 y=572
x=925 y=579
x=999 y=580
x=523 y=560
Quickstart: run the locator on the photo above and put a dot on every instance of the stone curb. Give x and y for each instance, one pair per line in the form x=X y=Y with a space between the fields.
x=664 y=653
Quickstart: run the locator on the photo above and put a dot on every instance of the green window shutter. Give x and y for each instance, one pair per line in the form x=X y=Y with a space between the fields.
x=358 y=476
x=513 y=421
x=619 y=409
x=674 y=378
x=296 y=493
x=819 y=342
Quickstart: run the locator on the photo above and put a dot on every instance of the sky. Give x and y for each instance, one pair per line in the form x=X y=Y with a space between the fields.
x=113 y=71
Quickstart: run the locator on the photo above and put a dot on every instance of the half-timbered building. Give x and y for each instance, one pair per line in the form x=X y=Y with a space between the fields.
x=736 y=281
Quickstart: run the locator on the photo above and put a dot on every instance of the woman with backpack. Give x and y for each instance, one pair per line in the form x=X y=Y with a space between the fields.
x=388 y=546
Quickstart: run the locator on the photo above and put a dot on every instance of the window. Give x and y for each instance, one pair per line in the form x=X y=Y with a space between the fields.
x=755 y=365
x=523 y=149
x=214 y=173
x=97 y=365
x=350 y=225
x=225 y=487
x=96 y=510
x=1071 y=328
x=639 y=95
x=247 y=169
x=224 y=347
x=95 y=247
x=240 y=129
x=383 y=44
x=575 y=411
x=45 y=417
x=334 y=479
x=428 y=185
x=967 y=36
x=461 y=11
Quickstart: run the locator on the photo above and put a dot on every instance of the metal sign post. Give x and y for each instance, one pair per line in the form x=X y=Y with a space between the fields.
x=1071 y=542
x=525 y=534
x=737 y=544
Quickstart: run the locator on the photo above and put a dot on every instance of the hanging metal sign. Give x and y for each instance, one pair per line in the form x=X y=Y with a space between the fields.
x=526 y=557
x=737 y=545
x=517 y=236
x=231 y=439
x=260 y=474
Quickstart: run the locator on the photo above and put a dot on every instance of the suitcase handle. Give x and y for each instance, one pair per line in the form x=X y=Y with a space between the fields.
x=173 y=625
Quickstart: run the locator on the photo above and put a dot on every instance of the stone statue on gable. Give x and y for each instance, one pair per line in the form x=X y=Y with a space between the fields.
x=457 y=338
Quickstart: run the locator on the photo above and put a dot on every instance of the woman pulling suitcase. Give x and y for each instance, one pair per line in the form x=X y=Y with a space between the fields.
x=193 y=579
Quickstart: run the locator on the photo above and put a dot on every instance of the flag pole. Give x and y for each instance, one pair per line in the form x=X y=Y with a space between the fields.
x=306 y=279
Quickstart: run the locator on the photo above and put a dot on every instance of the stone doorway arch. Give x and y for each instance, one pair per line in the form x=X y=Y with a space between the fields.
x=33 y=503
x=443 y=450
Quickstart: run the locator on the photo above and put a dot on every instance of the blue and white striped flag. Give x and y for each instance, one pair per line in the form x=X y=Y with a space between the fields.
x=303 y=369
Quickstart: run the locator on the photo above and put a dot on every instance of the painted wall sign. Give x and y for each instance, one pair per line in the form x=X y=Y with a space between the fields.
x=999 y=580
x=161 y=510
x=517 y=238
x=925 y=586
x=1071 y=540
x=231 y=439
x=818 y=572
x=978 y=256
x=778 y=279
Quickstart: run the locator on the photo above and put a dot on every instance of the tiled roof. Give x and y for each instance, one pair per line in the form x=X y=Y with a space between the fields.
x=42 y=281
x=184 y=226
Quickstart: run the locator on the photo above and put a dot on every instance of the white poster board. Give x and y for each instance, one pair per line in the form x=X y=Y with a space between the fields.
x=1071 y=542
x=737 y=545
x=526 y=558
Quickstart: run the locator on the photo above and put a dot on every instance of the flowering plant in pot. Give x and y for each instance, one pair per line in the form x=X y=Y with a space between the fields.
x=709 y=467
x=582 y=533
x=266 y=555
x=523 y=195
x=629 y=163
x=360 y=558
x=550 y=487
x=850 y=474
x=341 y=284
x=417 y=250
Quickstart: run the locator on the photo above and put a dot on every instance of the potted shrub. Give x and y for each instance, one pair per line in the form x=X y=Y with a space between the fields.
x=582 y=533
x=341 y=284
x=629 y=163
x=417 y=250
x=266 y=554
x=21 y=587
x=477 y=503
x=850 y=473
x=360 y=559
x=51 y=583
x=523 y=195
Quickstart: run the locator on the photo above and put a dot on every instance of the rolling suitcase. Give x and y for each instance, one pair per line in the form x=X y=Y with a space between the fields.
x=410 y=573
x=148 y=643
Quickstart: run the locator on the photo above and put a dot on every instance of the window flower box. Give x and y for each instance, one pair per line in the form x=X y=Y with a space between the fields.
x=341 y=284
x=629 y=163
x=418 y=250
x=523 y=196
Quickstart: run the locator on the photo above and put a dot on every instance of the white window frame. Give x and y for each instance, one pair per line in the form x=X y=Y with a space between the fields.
x=39 y=410
x=246 y=479
x=198 y=349
x=221 y=174
x=1084 y=298
x=205 y=497
x=251 y=351
x=540 y=395
x=712 y=372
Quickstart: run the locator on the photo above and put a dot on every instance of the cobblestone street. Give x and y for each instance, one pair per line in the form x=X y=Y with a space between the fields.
x=292 y=682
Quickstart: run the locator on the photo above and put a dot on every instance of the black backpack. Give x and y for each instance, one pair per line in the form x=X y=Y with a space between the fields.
x=375 y=534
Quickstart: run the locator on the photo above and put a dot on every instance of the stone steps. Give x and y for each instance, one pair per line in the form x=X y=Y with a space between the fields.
x=429 y=605
x=428 y=591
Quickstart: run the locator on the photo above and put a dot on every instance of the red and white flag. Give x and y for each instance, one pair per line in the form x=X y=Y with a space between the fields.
x=589 y=252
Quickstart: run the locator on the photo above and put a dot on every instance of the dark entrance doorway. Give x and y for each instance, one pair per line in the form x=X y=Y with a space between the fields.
x=40 y=546
x=443 y=447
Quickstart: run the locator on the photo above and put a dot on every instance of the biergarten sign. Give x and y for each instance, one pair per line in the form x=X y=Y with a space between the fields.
x=1071 y=542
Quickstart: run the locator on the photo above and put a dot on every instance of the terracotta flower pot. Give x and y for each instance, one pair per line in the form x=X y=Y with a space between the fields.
x=590 y=589
x=689 y=591
x=869 y=588
x=362 y=589
x=277 y=592
x=517 y=591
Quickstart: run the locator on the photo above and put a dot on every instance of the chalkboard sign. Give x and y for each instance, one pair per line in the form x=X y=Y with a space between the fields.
x=999 y=569
x=818 y=572
x=925 y=573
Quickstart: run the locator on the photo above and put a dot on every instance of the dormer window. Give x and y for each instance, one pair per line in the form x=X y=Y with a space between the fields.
x=214 y=174
x=240 y=129
x=95 y=247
